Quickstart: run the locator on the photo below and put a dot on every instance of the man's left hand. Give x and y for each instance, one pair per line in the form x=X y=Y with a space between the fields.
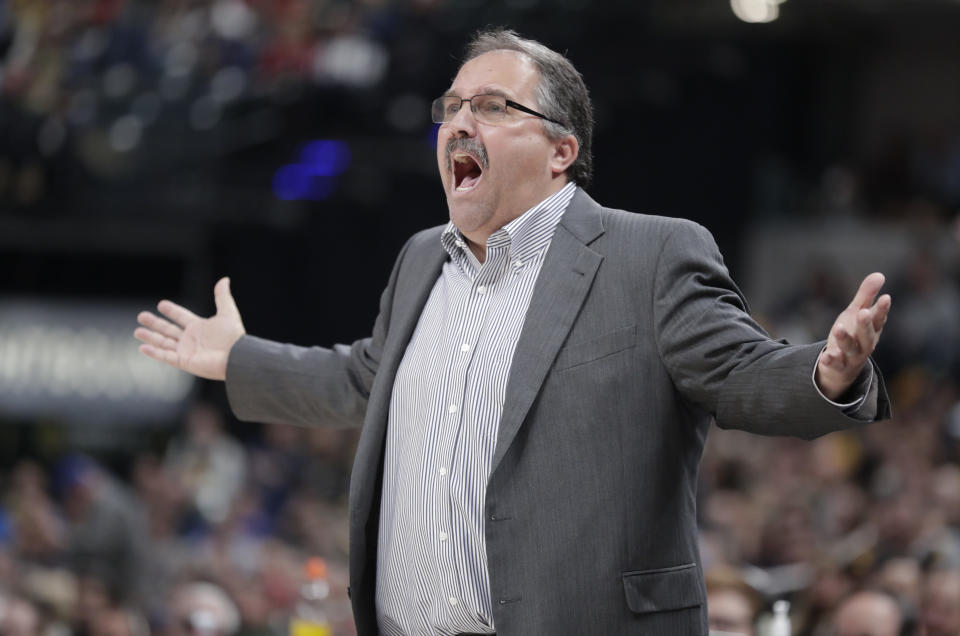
x=853 y=337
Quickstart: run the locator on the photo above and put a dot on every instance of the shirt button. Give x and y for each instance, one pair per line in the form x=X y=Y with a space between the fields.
x=518 y=264
x=452 y=601
x=453 y=408
x=465 y=347
x=443 y=536
x=443 y=470
x=482 y=289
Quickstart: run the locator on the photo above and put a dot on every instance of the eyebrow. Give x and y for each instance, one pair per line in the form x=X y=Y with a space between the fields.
x=484 y=90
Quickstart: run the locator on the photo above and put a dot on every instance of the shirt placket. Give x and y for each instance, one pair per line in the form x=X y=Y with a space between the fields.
x=474 y=305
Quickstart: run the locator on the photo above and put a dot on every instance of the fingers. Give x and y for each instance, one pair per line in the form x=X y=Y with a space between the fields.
x=160 y=338
x=180 y=315
x=845 y=349
x=833 y=360
x=163 y=355
x=868 y=290
x=849 y=344
x=155 y=323
x=155 y=339
x=853 y=346
x=223 y=298
x=841 y=350
x=857 y=330
x=881 y=310
x=865 y=335
x=869 y=325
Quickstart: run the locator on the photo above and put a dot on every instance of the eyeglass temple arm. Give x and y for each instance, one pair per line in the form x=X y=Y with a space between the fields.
x=530 y=111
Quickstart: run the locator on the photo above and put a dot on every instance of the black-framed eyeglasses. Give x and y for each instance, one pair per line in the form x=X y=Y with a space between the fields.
x=488 y=109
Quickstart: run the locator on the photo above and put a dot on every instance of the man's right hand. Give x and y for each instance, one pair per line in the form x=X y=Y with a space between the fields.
x=188 y=342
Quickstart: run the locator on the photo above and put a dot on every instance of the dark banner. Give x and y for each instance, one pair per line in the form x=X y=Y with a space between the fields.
x=79 y=361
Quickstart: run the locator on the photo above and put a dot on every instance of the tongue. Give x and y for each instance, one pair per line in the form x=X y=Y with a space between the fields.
x=469 y=181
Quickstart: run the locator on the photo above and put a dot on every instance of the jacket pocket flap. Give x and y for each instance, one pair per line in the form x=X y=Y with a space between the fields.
x=663 y=589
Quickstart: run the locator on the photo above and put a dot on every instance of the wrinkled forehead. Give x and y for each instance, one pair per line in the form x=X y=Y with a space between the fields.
x=509 y=73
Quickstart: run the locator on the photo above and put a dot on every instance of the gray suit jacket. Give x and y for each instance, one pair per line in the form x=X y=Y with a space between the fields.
x=636 y=337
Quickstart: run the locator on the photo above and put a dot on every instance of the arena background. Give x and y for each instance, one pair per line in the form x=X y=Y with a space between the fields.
x=149 y=147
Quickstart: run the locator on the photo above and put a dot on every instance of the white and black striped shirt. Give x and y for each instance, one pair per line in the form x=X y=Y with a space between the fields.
x=444 y=415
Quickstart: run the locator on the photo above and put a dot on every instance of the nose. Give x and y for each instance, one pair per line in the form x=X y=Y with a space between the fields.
x=463 y=124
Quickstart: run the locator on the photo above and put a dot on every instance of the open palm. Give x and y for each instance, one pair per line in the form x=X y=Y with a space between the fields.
x=188 y=342
x=853 y=338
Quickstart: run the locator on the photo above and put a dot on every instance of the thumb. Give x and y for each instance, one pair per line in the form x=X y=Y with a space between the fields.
x=223 y=298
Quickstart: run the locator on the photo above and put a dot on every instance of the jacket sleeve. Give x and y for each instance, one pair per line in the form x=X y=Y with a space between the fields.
x=722 y=360
x=283 y=383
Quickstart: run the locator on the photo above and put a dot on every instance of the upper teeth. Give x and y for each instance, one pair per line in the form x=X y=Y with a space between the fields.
x=461 y=158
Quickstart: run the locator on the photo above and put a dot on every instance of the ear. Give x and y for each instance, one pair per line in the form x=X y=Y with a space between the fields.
x=565 y=152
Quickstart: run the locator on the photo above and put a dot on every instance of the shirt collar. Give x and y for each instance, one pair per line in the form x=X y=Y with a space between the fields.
x=525 y=235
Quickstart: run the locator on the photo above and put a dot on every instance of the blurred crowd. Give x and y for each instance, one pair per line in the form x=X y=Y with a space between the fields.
x=85 y=84
x=859 y=530
x=210 y=536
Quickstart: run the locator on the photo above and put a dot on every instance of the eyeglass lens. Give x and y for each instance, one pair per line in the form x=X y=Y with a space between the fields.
x=486 y=108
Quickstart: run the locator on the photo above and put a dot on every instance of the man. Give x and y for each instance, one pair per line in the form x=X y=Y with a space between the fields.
x=539 y=383
x=940 y=604
x=19 y=616
x=202 y=609
x=868 y=613
x=107 y=534
x=732 y=603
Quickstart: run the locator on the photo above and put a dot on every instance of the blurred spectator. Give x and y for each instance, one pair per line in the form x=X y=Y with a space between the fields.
x=19 y=617
x=277 y=465
x=107 y=531
x=926 y=330
x=806 y=313
x=38 y=527
x=97 y=595
x=327 y=475
x=839 y=194
x=945 y=502
x=7 y=552
x=940 y=604
x=165 y=509
x=159 y=491
x=233 y=546
x=788 y=535
x=819 y=596
x=732 y=604
x=901 y=577
x=202 y=609
x=209 y=464
x=254 y=605
x=119 y=622
x=868 y=614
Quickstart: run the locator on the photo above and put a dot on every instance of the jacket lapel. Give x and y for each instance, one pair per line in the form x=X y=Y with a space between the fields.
x=423 y=267
x=561 y=288
x=423 y=270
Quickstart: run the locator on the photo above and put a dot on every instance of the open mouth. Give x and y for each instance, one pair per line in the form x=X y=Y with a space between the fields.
x=466 y=172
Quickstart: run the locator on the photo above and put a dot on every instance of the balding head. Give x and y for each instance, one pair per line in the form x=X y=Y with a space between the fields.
x=868 y=614
x=940 y=604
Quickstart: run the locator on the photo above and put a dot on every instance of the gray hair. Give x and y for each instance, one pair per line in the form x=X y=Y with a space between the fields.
x=561 y=93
